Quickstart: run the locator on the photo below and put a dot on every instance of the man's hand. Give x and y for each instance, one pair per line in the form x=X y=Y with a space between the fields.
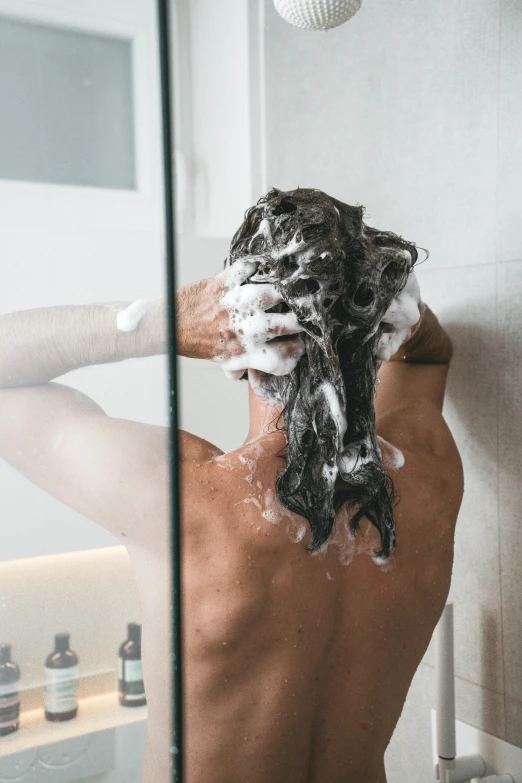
x=427 y=343
x=400 y=319
x=225 y=319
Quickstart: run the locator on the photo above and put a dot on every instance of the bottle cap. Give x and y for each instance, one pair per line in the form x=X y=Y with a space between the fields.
x=5 y=653
x=134 y=632
x=61 y=641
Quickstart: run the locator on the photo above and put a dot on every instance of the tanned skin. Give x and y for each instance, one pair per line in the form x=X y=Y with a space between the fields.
x=296 y=667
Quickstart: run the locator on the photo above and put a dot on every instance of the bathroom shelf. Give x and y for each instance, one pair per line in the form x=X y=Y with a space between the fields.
x=97 y=713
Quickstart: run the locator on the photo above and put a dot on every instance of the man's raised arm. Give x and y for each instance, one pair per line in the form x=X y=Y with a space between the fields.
x=410 y=394
x=110 y=469
x=40 y=345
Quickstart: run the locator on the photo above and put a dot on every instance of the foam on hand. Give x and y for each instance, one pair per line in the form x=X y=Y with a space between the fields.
x=255 y=328
x=129 y=319
x=402 y=314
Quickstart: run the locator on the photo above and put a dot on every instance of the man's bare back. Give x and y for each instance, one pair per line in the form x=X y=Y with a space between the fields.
x=296 y=666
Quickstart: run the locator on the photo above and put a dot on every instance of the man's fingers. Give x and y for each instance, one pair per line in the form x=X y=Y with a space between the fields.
x=252 y=296
x=239 y=271
x=293 y=349
x=279 y=324
x=264 y=295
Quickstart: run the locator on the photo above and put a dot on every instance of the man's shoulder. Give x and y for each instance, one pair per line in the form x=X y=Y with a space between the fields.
x=193 y=448
x=236 y=491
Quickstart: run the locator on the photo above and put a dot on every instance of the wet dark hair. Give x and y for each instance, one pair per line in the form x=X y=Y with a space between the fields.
x=339 y=276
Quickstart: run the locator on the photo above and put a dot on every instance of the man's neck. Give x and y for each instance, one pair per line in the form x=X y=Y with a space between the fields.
x=263 y=416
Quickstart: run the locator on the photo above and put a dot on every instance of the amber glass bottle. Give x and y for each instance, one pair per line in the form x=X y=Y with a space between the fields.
x=9 y=692
x=61 y=681
x=130 y=673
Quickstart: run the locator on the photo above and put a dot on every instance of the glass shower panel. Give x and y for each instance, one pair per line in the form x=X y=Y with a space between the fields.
x=85 y=572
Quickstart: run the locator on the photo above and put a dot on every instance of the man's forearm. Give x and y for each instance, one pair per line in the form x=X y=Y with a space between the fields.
x=198 y=319
x=37 y=346
x=429 y=344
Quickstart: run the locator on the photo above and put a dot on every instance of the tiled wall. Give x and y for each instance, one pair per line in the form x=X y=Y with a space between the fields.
x=415 y=110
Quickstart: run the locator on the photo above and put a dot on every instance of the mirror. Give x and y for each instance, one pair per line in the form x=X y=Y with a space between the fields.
x=84 y=400
x=321 y=666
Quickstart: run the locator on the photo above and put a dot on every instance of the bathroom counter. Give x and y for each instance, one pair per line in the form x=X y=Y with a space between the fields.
x=96 y=713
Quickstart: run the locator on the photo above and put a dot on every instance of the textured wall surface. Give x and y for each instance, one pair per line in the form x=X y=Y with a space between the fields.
x=413 y=109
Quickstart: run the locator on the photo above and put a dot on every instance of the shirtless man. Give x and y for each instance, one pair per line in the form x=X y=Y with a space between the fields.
x=296 y=666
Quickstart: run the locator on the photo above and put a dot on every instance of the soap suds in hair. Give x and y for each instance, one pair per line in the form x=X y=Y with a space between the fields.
x=341 y=279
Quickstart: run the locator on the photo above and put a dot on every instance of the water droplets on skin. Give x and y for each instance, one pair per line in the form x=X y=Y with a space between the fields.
x=254 y=501
x=221 y=461
x=271 y=510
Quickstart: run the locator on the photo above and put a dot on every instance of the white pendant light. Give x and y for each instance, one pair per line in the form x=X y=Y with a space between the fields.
x=317 y=14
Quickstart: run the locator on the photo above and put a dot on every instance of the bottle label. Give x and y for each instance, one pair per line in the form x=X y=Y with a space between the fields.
x=9 y=706
x=61 y=689
x=130 y=671
x=130 y=685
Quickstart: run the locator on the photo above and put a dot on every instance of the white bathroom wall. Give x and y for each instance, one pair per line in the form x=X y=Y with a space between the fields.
x=413 y=109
